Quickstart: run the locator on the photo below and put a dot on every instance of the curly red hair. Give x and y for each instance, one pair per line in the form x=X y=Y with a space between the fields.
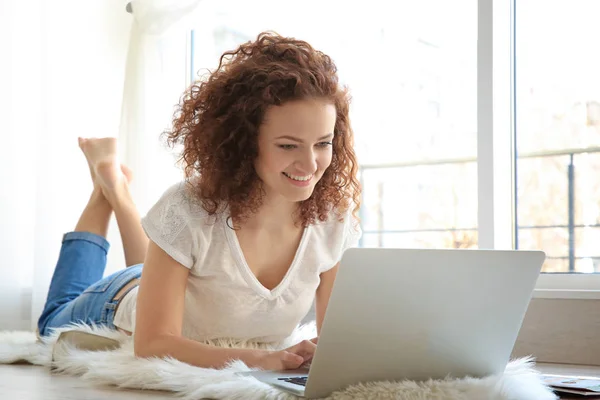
x=218 y=120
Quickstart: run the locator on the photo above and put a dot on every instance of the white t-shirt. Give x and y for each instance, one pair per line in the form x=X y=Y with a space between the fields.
x=224 y=299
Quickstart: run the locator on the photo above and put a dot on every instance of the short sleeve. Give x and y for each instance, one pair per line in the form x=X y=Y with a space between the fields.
x=167 y=224
x=344 y=235
x=352 y=232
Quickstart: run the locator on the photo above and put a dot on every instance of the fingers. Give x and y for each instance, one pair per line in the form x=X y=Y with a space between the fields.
x=291 y=360
x=315 y=340
x=305 y=348
x=298 y=354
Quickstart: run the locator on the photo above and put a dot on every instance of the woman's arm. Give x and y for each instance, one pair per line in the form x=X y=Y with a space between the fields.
x=323 y=294
x=160 y=317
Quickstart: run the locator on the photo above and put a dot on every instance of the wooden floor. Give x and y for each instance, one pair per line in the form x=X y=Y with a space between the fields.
x=27 y=382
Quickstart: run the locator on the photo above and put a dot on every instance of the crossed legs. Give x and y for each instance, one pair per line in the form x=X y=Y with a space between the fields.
x=82 y=258
x=111 y=194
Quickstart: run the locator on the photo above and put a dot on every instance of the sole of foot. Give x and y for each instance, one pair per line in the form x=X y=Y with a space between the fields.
x=102 y=158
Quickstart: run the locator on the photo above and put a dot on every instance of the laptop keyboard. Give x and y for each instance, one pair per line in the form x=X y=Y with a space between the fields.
x=299 y=380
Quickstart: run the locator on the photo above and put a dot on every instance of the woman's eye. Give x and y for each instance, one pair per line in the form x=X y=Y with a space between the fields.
x=325 y=144
x=287 y=146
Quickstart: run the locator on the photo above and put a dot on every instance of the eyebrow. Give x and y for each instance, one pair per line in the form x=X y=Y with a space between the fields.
x=295 y=139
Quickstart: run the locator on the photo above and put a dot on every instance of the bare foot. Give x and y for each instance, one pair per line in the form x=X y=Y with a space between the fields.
x=103 y=162
x=127 y=172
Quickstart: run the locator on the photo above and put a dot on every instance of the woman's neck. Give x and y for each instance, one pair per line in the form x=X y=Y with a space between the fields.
x=273 y=214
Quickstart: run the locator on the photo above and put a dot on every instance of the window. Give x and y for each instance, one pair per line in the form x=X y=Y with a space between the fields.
x=465 y=128
x=558 y=132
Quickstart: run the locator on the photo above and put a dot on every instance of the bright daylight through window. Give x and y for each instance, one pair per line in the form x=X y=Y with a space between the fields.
x=558 y=132
x=413 y=79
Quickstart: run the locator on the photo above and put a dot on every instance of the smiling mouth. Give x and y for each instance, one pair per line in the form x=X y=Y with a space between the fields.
x=298 y=178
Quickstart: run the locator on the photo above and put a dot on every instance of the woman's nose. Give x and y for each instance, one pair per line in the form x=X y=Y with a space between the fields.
x=308 y=162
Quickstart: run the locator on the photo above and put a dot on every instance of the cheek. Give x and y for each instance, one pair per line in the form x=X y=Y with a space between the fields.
x=261 y=166
x=272 y=163
x=324 y=160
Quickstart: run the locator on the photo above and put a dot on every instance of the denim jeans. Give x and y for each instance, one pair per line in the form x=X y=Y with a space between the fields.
x=78 y=292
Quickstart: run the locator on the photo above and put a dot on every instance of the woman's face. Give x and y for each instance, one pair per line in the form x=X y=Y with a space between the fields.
x=295 y=147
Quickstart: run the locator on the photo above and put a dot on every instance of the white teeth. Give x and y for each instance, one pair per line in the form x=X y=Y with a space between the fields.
x=298 y=178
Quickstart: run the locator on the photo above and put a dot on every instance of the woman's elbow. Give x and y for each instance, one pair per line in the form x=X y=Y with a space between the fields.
x=144 y=347
x=140 y=349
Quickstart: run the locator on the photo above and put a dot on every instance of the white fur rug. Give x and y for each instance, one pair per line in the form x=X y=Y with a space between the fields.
x=119 y=367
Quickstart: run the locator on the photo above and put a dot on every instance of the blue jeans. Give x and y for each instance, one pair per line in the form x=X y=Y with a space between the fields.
x=78 y=293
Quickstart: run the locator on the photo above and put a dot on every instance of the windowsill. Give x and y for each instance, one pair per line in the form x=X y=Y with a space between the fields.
x=566 y=294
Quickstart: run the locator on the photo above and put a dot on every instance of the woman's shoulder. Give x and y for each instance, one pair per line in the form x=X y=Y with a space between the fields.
x=330 y=238
x=339 y=222
x=178 y=218
x=180 y=198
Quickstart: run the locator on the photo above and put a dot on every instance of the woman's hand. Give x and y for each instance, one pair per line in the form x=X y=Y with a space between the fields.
x=290 y=358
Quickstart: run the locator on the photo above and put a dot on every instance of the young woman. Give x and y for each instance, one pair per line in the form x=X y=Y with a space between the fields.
x=242 y=247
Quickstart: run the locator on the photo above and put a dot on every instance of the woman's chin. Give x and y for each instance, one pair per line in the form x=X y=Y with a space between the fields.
x=298 y=196
x=298 y=199
x=292 y=193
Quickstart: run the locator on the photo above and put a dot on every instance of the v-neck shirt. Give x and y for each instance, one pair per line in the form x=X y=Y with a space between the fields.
x=224 y=299
x=251 y=279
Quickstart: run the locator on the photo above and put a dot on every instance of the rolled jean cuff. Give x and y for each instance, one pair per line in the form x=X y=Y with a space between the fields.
x=89 y=237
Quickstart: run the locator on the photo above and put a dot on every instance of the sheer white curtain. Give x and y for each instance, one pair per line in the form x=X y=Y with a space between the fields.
x=70 y=69
x=61 y=76
x=155 y=78
x=17 y=172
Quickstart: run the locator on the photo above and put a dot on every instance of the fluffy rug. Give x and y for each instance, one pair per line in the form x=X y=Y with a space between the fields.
x=119 y=367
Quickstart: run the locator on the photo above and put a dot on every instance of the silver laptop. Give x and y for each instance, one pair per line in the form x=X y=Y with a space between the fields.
x=399 y=314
